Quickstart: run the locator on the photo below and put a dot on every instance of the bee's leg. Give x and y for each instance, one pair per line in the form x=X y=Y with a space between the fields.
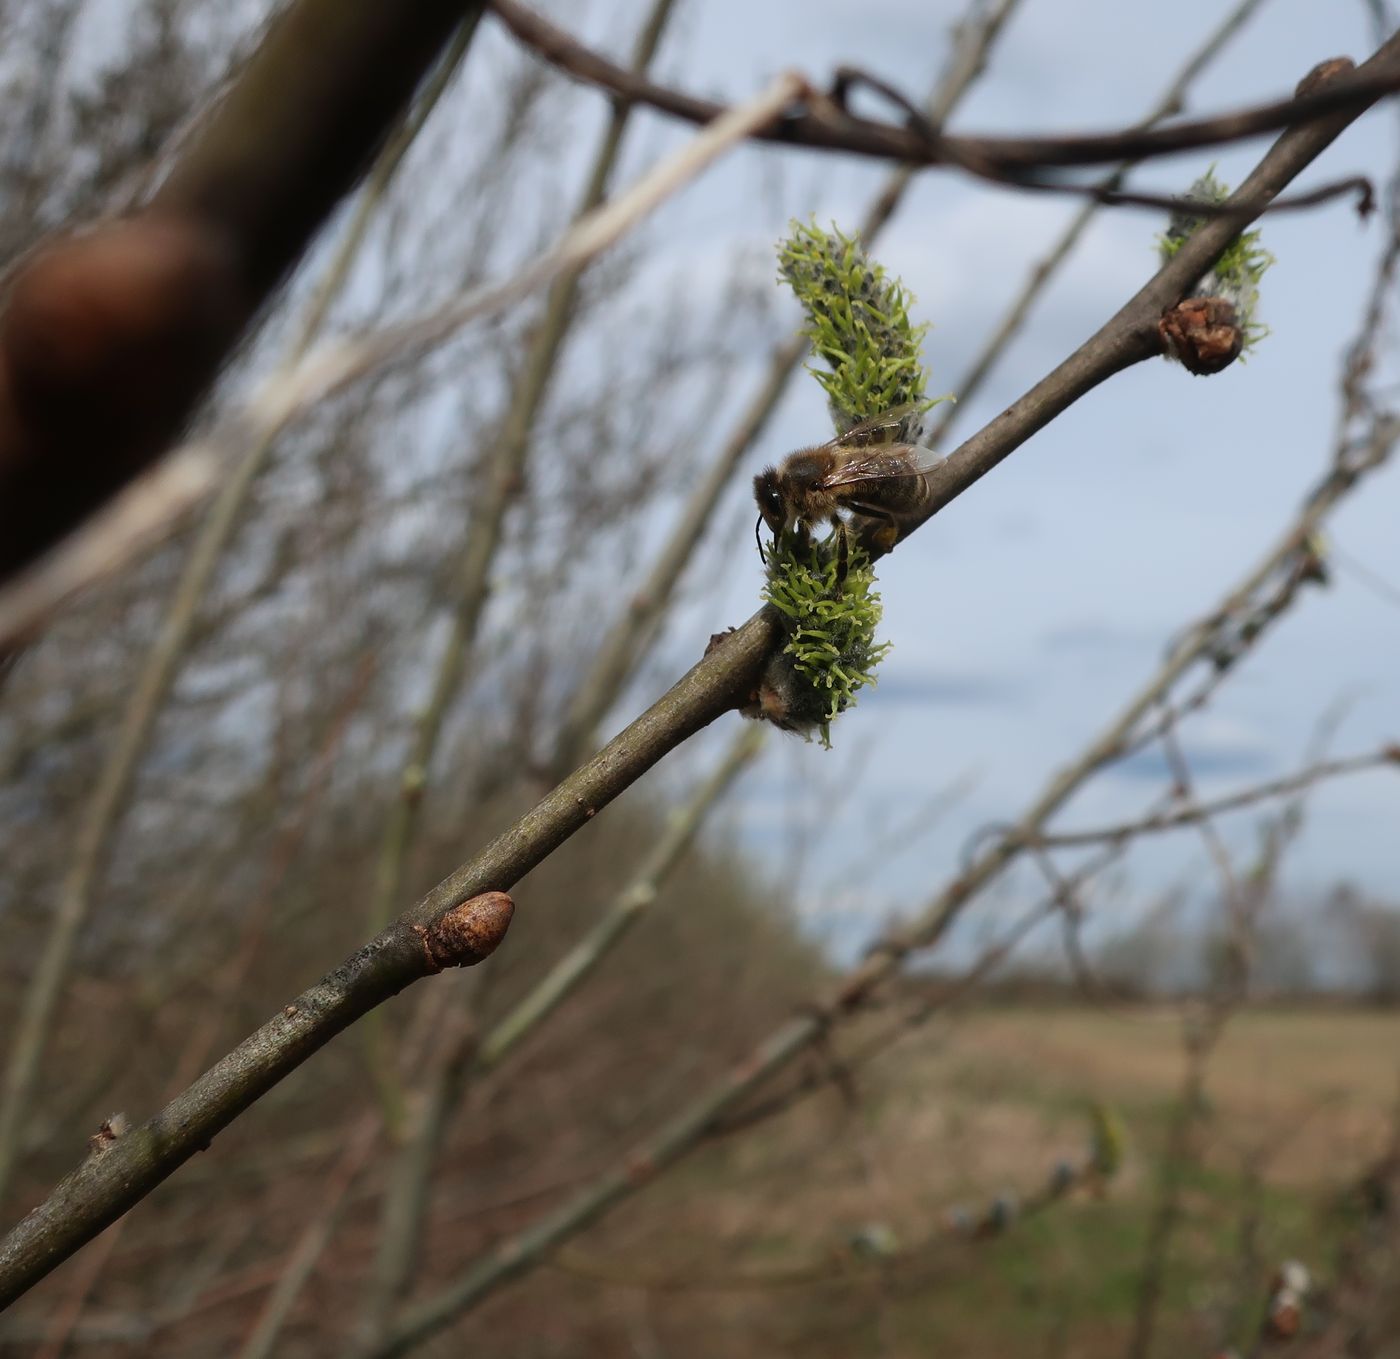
x=843 y=552
x=887 y=535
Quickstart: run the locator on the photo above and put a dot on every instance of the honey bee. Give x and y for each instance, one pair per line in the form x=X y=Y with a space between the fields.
x=856 y=472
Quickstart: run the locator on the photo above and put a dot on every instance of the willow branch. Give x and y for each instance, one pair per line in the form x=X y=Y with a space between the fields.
x=1127 y=338
x=1233 y=802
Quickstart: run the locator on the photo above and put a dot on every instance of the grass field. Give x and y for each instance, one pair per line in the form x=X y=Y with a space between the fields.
x=751 y=1245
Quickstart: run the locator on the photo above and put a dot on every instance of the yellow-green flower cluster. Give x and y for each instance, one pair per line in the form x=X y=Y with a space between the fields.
x=831 y=652
x=858 y=323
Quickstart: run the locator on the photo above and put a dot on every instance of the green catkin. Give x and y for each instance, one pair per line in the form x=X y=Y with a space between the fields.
x=857 y=319
x=859 y=326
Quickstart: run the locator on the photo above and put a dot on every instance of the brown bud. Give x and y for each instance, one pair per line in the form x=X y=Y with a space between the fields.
x=468 y=933
x=1322 y=73
x=1285 y=1315
x=1203 y=333
x=107 y=338
x=111 y=1129
x=104 y=324
x=717 y=639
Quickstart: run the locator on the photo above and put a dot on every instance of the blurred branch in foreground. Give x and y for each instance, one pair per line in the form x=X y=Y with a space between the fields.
x=110 y=540
x=109 y=337
x=102 y=817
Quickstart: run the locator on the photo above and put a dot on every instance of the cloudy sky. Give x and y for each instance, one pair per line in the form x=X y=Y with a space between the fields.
x=1028 y=612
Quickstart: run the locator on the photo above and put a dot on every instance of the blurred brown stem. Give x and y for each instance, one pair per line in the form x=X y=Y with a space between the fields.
x=201 y=1039
x=1201 y=1036
x=244 y=198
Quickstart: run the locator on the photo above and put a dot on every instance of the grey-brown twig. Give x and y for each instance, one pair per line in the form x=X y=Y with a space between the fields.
x=826 y=125
x=1169 y=103
x=1178 y=817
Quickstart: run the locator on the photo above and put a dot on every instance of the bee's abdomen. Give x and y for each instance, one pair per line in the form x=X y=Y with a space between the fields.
x=904 y=494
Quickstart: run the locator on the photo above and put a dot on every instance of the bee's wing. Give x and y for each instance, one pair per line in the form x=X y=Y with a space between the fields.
x=864 y=432
x=882 y=462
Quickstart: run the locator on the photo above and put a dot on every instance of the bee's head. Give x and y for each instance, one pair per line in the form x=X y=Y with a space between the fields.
x=770 y=499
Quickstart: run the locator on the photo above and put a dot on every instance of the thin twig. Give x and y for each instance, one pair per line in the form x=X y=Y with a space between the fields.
x=1038 y=279
x=918 y=1258
x=830 y=127
x=1230 y=802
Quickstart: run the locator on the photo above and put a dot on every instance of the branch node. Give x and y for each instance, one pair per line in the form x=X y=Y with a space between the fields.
x=111 y=1129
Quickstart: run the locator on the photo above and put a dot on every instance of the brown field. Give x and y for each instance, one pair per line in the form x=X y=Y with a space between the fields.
x=747 y=1251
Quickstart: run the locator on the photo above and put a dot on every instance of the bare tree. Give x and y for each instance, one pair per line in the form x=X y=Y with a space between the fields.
x=417 y=593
